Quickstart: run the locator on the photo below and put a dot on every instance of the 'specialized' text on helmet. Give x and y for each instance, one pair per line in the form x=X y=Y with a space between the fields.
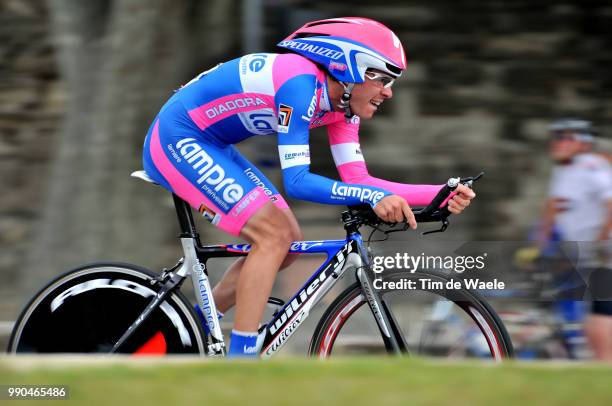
x=348 y=46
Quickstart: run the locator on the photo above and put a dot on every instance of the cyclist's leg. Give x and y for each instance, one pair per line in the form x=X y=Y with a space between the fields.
x=270 y=237
x=598 y=326
x=206 y=177
x=270 y=233
x=258 y=177
x=225 y=291
x=268 y=230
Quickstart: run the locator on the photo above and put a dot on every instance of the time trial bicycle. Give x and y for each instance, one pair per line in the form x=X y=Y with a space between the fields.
x=121 y=308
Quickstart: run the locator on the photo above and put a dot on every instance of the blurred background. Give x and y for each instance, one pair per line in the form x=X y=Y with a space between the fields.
x=80 y=82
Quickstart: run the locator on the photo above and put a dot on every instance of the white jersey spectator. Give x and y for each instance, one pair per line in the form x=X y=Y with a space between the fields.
x=580 y=208
x=580 y=190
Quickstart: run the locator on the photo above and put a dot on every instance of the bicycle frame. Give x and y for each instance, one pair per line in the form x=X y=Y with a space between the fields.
x=342 y=255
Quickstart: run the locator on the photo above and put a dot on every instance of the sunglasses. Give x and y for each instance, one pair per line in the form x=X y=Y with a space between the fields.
x=563 y=136
x=382 y=79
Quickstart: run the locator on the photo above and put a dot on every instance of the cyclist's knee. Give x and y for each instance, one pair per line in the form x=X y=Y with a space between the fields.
x=269 y=229
x=274 y=239
x=296 y=235
x=296 y=232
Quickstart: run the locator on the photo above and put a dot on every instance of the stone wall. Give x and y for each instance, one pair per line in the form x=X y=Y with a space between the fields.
x=31 y=106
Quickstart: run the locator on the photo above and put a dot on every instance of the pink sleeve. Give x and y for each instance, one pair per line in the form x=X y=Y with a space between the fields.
x=344 y=143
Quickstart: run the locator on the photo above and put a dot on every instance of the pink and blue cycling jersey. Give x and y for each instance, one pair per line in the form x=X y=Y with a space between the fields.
x=189 y=148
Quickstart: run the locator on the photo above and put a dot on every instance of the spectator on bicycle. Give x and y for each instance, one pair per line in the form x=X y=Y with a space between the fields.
x=579 y=207
x=333 y=73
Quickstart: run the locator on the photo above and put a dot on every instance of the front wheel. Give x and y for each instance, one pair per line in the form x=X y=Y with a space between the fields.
x=427 y=321
x=88 y=309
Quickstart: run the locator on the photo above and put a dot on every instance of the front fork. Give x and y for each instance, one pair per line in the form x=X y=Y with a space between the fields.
x=387 y=324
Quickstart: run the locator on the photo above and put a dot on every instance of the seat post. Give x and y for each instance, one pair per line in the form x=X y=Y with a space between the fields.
x=185 y=218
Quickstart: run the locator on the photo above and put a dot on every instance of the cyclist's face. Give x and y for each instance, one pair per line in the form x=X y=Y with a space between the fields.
x=368 y=96
x=564 y=146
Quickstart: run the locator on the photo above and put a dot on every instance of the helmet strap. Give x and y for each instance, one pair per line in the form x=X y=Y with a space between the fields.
x=345 y=100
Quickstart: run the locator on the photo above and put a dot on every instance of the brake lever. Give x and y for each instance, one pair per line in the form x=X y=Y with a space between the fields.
x=469 y=181
x=392 y=228
x=442 y=229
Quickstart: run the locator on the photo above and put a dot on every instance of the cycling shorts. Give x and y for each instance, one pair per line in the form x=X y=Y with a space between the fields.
x=600 y=282
x=213 y=178
x=602 y=307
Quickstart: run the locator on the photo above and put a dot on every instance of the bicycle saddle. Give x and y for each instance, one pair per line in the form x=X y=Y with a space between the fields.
x=144 y=176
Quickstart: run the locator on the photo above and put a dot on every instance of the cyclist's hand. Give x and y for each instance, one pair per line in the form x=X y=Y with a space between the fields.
x=461 y=200
x=395 y=209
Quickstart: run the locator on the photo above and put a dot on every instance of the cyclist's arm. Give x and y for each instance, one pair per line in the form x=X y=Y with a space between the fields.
x=606 y=231
x=292 y=101
x=603 y=182
x=548 y=222
x=344 y=142
x=556 y=195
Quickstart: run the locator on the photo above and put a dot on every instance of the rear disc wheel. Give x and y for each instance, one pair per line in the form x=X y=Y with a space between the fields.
x=88 y=309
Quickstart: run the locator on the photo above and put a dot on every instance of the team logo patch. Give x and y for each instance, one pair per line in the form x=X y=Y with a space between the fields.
x=284 y=118
x=209 y=214
x=293 y=155
x=257 y=63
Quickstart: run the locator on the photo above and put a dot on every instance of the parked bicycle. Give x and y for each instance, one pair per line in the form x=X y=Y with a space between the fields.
x=122 y=308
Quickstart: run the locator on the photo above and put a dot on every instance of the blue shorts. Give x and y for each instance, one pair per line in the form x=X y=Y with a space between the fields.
x=600 y=284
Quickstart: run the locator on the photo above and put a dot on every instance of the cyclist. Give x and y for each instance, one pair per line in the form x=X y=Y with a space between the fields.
x=579 y=208
x=333 y=73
